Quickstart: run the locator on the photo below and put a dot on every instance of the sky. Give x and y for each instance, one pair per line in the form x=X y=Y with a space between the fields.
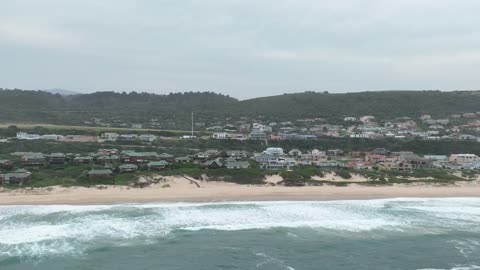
x=242 y=48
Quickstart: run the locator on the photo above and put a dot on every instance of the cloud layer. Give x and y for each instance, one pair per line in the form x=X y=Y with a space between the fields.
x=243 y=48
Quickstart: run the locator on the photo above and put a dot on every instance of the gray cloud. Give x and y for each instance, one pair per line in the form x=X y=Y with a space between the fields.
x=243 y=48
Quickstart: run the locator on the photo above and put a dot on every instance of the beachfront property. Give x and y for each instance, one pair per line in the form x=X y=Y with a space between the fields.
x=237 y=165
x=56 y=158
x=17 y=177
x=6 y=164
x=138 y=157
x=106 y=159
x=272 y=158
x=33 y=159
x=213 y=164
x=236 y=154
x=127 y=168
x=157 y=165
x=313 y=157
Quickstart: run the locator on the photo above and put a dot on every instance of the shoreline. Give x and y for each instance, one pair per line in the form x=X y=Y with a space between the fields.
x=182 y=191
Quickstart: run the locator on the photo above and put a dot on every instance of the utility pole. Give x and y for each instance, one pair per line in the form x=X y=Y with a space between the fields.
x=192 y=125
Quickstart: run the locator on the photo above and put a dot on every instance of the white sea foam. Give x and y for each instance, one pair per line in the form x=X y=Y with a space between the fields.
x=46 y=230
x=470 y=267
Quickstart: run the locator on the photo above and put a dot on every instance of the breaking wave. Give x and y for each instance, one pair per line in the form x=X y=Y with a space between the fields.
x=37 y=231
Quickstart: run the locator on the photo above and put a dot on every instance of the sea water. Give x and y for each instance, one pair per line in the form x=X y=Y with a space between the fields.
x=370 y=234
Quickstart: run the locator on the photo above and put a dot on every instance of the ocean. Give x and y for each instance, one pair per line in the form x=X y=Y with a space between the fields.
x=367 y=234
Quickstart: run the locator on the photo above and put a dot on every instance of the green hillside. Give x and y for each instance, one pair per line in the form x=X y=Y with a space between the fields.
x=174 y=109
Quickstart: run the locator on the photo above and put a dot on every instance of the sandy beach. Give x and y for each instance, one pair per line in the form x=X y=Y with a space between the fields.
x=181 y=190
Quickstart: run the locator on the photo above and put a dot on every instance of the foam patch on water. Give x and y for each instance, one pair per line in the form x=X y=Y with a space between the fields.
x=36 y=231
x=470 y=267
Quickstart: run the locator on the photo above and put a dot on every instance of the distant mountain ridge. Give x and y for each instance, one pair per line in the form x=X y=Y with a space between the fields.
x=62 y=92
x=209 y=107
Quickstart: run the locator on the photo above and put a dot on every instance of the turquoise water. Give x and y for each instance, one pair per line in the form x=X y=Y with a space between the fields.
x=375 y=234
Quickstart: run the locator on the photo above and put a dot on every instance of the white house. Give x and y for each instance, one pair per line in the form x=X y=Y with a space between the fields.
x=463 y=158
x=26 y=136
x=350 y=119
x=109 y=136
x=275 y=151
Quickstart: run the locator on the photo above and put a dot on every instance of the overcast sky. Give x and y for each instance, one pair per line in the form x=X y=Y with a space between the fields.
x=244 y=48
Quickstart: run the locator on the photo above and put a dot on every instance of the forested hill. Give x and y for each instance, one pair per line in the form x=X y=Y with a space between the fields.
x=383 y=104
x=38 y=106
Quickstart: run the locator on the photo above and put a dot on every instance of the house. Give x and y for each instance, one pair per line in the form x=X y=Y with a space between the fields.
x=237 y=165
x=367 y=118
x=56 y=159
x=157 y=165
x=258 y=135
x=469 y=115
x=139 y=157
x=127 y=137
x=201 y=155
x=165 y=156
x=278 y=163
x=374 y=158
x=472 y=166
x=26 y=136
x=335 y=152
x=237 y=154
x=82 y=160
x=274 y=162
x=212 y=152
x=263 y=158
x=213 y=164
x=294 y=153
x=109 y=136
x=33 y=159
x=380 y=151
x=452 y=166
x=100 y=173
x=147 y=137
x=52 y=137
x=463 y=158
x=238 y=136
x=405 y=162
x=107 y=152
x=313 y=157
x=127 y=168
x=183 y=160
x=467 y=137
x=356 y=154
x=408 y=161
x=79 y=138
x=275 y=151
x=221 y=136
x=6 y=164
x=359 y=165
x=436 y=157
x=425 y=117
x=17 y=177
x=103 y=160
x=207 y=154
x=329 y=164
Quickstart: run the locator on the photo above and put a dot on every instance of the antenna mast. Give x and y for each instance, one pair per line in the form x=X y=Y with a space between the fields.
x=192 y=124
